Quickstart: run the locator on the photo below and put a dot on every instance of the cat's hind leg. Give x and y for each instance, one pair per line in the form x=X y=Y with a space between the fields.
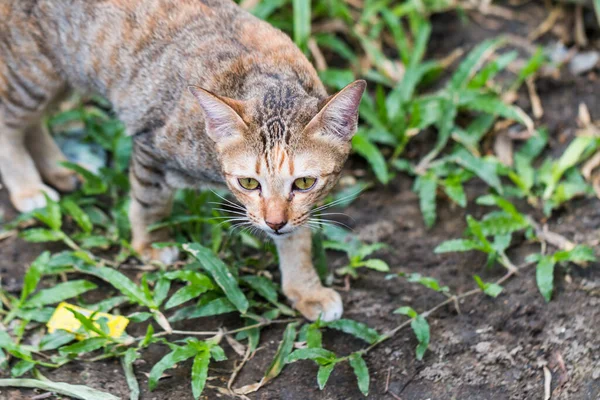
x=19 y=173
x=47 y=157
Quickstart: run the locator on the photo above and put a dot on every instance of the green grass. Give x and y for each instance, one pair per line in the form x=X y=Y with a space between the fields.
x=93 y=227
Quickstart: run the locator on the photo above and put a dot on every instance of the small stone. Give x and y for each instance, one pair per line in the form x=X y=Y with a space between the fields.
x=584 y=62
x=483 y=347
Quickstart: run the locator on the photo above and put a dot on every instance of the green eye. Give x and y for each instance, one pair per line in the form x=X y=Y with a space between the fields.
x=249 y=183
x=304 y=183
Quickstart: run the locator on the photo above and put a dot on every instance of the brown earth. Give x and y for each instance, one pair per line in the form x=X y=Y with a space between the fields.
x=493 y=349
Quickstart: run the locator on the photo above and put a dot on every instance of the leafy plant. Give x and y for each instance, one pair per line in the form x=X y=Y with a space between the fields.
x=357 y=252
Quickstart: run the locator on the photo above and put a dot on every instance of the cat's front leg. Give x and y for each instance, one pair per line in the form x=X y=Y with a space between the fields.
x=300 y=281
x=151 y=202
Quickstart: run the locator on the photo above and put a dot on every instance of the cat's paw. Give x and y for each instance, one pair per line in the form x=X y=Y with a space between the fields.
x=27 y=199
x=165 y=255
x=324 y=302
x=63 y=179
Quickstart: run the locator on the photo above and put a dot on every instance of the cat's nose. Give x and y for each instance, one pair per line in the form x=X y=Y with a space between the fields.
x=276 y=225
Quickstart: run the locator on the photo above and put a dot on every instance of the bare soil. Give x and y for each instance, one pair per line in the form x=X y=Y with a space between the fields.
x=492 y=349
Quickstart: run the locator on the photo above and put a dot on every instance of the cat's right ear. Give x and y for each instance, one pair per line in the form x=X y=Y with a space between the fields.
x=223 y=121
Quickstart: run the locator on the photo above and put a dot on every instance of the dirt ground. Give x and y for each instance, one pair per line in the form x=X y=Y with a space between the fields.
x=493 y=349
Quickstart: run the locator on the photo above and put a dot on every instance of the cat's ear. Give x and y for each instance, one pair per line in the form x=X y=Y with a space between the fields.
x=338 y=117
x=222 y=115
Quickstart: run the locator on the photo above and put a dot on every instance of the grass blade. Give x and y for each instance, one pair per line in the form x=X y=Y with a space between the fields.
x=120 y=282
x=60 y=292
x=127 y=363
x=200 y=372
x=220 y=274
x=356 y=329
x=284 y=350
x=75 y=391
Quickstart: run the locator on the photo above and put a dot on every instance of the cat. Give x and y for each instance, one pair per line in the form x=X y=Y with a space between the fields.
x=210 y=94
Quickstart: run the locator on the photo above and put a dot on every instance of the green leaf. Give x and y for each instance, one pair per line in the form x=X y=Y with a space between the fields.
x=55 y=340
x=484 y=170
x=92 y=185
x=200 y=372
x=89 y=325
x=323 y=374
x=184 y=294
x=176 y=356
x=501 y=224
x=127 y=363
x=78 y=215
x=361 y=371
x=534 y=146
x=60 y=292
x=579 y=253
x=74 y=391
x=120 y=282
x=40 y=235
x=488 y=72
x=148 y=337
x=354 y=328
x=571 y=157
x=220 y=274
x=34 y=274
x=376 y=264
x=161 y=290
x=457 y=245
x=476 y=230
x=193 y=277
x=138 y=317
x=421 y=329
x=84 y=346
x=263 y=286
x=492 y=104
x=14 y=349
x=428 y=282
x=368 y=249
x=544 y=276
x=302 y=19
x=491 y=289
x=406 y=310
x=336 y=78
x=215 y=307
x=371 y=153
x=314 y=337
x=426 y=187
x=96 y=241
x=51 y=215
x=533 y=65
x=22 y=367
x=320 y=356
x=474 y=59
x=217 y=353
x=454 y=189
x=284 y=350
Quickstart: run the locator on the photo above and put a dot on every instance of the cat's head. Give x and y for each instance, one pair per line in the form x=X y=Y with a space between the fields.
x=282 y=153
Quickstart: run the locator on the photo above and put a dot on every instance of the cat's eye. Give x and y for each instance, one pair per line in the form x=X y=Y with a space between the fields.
x=249 y=183
x=304 y=183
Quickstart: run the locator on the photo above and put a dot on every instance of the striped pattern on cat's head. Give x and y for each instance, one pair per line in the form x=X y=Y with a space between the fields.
x=276 y=140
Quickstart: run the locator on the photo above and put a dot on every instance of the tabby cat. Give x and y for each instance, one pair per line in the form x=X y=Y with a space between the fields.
x=210 y=93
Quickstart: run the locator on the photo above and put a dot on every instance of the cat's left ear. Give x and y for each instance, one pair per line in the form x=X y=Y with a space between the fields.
x=338 y=117
x=222 y=115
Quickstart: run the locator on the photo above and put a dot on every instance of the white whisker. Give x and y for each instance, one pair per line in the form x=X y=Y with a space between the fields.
x=355 y=194
x=229 y=211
